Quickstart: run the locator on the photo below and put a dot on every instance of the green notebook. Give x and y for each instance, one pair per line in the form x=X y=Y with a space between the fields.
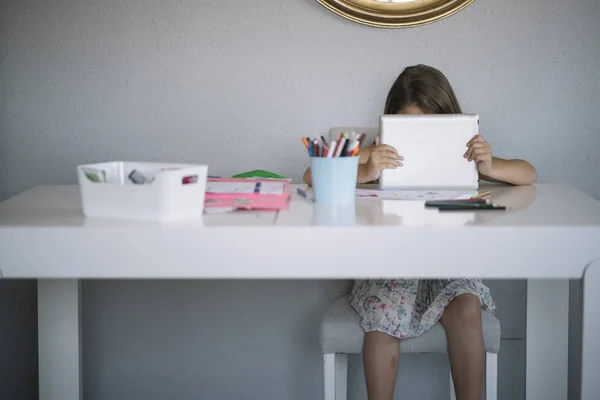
x=258 y=174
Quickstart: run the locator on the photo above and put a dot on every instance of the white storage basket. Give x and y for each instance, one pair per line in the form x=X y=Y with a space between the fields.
x=173 y=191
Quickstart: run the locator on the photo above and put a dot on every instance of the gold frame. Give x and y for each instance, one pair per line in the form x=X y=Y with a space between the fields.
x=385 y=14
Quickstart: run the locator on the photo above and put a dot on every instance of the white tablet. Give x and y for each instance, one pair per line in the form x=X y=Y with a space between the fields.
x=433 y=146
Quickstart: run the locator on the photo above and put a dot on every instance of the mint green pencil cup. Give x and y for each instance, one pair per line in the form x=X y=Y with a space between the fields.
x=334 y=179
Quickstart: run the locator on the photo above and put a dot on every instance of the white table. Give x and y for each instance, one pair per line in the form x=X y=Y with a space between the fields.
x=552 y=231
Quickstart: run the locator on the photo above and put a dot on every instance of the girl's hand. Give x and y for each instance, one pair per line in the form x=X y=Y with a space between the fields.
x=479 y=151
x=382 y=156
x=364 y=154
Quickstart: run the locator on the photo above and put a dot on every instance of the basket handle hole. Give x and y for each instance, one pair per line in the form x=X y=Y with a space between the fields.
x=188 y=180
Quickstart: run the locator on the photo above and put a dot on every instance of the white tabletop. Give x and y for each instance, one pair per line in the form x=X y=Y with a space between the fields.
x=550 y=230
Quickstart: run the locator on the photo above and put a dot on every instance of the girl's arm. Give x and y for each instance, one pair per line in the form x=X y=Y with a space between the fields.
x=495 y=169
x=307 y=177
x=514 y=172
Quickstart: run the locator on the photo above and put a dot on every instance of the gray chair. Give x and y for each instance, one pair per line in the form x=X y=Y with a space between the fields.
x=341 y=334
x=371 y=131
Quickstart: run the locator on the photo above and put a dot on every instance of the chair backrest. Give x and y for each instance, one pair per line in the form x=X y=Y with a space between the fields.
x=371 y=131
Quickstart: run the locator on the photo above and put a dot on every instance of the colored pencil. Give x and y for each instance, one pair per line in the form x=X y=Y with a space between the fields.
x=348 y=146
x=305 y=142
x=332 y=148
x=340 y=147
x=481 y=194
x=483 y=207
x=457 y=203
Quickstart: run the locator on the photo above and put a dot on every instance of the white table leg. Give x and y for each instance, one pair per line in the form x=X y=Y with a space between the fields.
x=547 y=339
x=59 y=339
x=590 y=363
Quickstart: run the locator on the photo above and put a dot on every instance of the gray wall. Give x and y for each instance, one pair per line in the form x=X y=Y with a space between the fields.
x=184 y=80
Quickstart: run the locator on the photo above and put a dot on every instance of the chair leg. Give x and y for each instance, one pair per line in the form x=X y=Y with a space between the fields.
x=335 y=368
x=491 y=376
x=452 y=392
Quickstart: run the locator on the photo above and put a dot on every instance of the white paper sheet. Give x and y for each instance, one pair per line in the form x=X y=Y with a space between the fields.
x=412 y=194
x=273 y=188
x=230 y=187
x=375 y=194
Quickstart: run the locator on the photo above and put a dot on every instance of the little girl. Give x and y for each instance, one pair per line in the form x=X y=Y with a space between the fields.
x=400 y=308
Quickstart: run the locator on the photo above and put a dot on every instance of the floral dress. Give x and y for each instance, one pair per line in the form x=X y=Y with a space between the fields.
x=408 y=307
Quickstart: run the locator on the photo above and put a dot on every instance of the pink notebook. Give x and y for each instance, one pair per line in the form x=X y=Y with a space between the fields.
x=255 y=194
